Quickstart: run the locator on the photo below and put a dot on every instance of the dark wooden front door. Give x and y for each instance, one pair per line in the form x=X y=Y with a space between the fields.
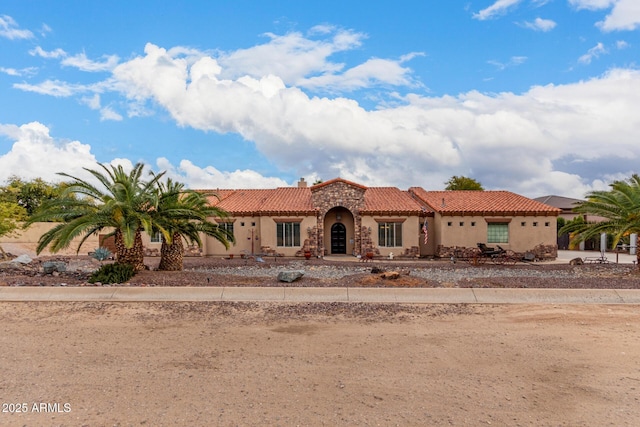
x=338 y=239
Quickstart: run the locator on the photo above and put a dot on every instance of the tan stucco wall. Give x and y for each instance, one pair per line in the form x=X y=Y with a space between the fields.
x=521 y=237
x=26 y=241
x=269 y=232
x=264 y=234
x=411 y=235
x=242 y=227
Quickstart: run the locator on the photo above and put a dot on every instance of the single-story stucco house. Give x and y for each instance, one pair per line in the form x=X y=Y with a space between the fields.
x=340 y=217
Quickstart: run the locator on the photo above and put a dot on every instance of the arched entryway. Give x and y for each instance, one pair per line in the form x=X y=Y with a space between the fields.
x=338 y=238
x=339 y=231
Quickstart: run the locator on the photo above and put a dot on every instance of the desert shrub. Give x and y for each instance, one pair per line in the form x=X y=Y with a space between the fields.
x=101 y=254
x=113 y=273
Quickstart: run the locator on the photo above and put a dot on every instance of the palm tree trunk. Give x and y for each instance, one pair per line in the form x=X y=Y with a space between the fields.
x=133 y=255
x=172 y=255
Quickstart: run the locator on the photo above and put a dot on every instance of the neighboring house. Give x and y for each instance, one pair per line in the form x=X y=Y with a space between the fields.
x=566 y=206
x=343 y=217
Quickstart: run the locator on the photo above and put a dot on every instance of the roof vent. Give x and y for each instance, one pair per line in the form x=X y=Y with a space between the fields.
x=443 y=203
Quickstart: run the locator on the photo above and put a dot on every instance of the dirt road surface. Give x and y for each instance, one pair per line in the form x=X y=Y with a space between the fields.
x=247 y=364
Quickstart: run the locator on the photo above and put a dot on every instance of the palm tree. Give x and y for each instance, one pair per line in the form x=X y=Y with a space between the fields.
x=122 y=201
x=184 y=214
x=621 y=208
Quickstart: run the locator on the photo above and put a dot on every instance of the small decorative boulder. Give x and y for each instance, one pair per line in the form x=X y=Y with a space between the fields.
x=390 y=275
x=50 y=266
x=290 y=276
x=22 y=259
x=576 y=261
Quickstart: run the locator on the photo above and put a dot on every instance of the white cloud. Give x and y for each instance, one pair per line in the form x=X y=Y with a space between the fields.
x=9 y=71
x=108 y=113
x=592 y=53
x=293 y=57
x=210 y=177
x=621 y=44
x=30 y=71
x=35 y=154
x=371 y=73
x=543 y=141
x=513 y=61
x=592 y=4
x=53 y=54
x=624 y=16
x=81 y=62
x=45 y=29
x=500 y=7
x=540 y=24
x=92 y=102
x=509 y=141
x=9 y=29
x=53 y=88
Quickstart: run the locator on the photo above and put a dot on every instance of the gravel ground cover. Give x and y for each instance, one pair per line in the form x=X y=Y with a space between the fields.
x=216 y=271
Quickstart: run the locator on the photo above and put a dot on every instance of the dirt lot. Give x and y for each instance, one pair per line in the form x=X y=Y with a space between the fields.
x=251 y=364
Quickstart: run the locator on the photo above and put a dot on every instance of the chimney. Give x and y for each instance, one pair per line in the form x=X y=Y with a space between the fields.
x=443 y=204
x=302 y=183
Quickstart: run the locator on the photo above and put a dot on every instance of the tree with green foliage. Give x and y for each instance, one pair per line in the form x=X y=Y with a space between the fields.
x=463 y=183
x=183 y=214
x=620 y=206
x=29 y=194
x=10 y=216
x=122 y=201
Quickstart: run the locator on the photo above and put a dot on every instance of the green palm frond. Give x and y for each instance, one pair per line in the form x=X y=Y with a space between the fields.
x=187 y=213
x=620 y=206
x=119 y=200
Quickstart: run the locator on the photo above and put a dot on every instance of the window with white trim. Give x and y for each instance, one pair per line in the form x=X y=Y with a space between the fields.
x=288 y=234
x=390 y=234
x=156 y=237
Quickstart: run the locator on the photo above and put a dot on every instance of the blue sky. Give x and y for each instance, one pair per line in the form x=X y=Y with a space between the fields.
x=533 y=96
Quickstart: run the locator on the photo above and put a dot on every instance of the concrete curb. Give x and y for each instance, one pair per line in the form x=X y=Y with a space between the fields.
x=298 y=294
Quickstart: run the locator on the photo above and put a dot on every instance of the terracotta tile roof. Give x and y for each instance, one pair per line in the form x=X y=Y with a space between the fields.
x=389 y=200
x=482 y=203
x=241 y=202
x=211 y=195
x=288 y=200
x=381 y=201
x=285 y=200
